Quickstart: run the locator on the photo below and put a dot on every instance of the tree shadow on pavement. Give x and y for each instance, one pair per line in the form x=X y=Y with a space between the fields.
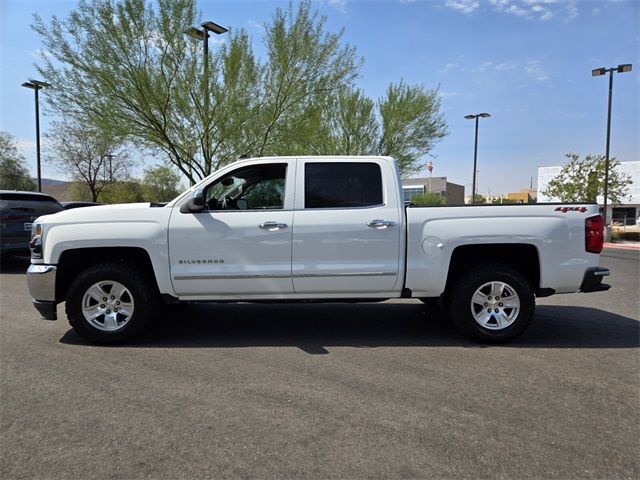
x=312 y=327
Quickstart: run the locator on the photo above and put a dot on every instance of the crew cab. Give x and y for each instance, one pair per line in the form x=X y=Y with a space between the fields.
x=310 y=228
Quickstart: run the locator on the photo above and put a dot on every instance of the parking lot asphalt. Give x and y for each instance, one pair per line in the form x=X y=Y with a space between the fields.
x=326 y=391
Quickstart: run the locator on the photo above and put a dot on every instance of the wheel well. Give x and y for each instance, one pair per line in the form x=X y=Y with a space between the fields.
x=72 y=262
x=521 y=257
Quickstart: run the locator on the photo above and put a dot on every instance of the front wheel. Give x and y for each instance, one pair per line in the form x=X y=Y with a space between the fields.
x=111 y=302
x=493 y=303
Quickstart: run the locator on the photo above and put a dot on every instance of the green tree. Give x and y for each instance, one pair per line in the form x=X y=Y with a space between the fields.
x=405 y=124
x=411 y=124
x=428 y=198
x=160 y=184
x=479 y=199
x=153 y=90
x=87 y=155
x=149 y=88
x=79 y=192
x=582 y=180
x=13 y=173
x=129 y=190
x=344 y=124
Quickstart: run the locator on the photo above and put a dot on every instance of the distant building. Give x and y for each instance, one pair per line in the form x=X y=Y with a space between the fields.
x=525 y=195
x=452 y=193
x=625 y=212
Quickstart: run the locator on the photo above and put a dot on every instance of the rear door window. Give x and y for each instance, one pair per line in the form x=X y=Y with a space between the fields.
x=342 y=185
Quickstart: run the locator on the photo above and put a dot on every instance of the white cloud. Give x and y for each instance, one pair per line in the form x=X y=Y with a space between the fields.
x=537 y=9
x=339 y=5
x=463 y=6
x=572 y=9
x=483 y=66
x=254 y=24
x=490 y=65
x=505 y=66
x=534 y=69
x=448 y=67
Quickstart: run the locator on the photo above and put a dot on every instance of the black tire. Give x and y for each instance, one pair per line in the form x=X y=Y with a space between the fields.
x=141 y=289
x=460 y=304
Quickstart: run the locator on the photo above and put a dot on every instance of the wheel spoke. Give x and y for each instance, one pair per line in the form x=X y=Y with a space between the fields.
x=479 y=298
x=503 y=319
x=91 y=313
x=497 y=288
x=126 y=309
x=96 y=293
x=110 y=322
x=482 y=317
x=118 y=290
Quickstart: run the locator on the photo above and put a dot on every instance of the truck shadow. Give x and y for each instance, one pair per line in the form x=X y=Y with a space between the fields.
x=312 y=327
x=11 y=264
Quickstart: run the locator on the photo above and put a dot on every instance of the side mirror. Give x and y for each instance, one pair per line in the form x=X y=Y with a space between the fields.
x=195 y=204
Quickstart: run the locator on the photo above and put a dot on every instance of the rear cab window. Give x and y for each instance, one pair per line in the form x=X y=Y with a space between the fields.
x=16 y=203
x=342 y=185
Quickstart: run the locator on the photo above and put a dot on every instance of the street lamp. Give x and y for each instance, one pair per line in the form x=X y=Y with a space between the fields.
x=36 y=85
x=110 y=157
x=203 y=35
x=475 y=152
x=596 y=72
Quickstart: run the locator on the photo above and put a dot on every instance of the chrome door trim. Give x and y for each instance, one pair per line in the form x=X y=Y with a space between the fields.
x=230 y=277
x=344 y=274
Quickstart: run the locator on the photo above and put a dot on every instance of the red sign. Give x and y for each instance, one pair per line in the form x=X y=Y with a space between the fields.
x=430 y=167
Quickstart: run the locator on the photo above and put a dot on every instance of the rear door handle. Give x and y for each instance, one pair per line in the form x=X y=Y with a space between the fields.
x=381 y=224
x=273 y=226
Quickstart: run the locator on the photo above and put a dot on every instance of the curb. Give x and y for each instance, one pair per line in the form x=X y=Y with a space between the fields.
x=622 y=246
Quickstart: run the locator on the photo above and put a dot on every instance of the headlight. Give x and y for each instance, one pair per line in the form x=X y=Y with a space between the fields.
x=37 y=229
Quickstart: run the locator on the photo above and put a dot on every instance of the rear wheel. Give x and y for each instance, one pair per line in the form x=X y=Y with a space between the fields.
x=492 y=302
x=111 y=302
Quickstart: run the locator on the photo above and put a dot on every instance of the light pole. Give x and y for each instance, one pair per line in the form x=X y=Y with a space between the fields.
x=475 y=152
x=108 y=156
x=36 y=85
x=203 y=35
x=596 y=72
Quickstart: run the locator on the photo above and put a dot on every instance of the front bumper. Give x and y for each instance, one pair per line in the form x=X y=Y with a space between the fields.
x=41 y=280
x=592 y=280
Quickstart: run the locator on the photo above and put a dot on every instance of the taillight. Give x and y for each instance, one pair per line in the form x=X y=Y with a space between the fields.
x=594 y=234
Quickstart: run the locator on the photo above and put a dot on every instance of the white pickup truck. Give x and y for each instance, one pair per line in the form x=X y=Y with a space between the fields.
x=310 y=228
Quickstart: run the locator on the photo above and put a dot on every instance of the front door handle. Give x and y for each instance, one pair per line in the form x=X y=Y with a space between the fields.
x=381 y=224
x=273 y=226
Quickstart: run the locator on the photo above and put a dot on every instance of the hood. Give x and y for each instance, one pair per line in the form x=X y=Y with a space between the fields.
x=124 y=212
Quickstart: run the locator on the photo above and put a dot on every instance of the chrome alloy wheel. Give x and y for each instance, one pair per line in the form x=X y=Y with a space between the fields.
x=495 y=305
x=107 y=305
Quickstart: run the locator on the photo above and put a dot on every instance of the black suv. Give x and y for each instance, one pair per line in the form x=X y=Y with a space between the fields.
x=18 y=210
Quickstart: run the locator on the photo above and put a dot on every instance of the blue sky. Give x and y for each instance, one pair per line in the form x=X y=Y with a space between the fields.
x=527 y=62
